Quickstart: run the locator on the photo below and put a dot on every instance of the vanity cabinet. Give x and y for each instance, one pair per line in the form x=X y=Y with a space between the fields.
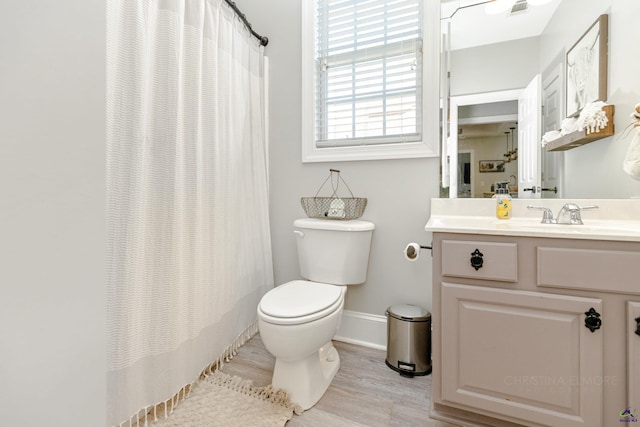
x=520 y=354
x=535 y=331
x=633 y=356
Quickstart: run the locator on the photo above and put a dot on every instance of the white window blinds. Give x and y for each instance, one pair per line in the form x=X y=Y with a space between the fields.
x=368 y=79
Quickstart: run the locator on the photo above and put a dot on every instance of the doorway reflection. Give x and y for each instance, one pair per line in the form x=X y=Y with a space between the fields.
x=494 y=146
x=465 y=166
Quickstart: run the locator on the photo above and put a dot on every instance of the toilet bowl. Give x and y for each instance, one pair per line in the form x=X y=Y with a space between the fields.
x=297 y=320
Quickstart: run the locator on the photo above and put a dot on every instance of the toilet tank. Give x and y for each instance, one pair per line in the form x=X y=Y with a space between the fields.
x=331 y=251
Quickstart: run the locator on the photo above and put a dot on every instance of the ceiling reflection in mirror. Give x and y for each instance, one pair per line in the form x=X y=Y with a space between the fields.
x=472 y=26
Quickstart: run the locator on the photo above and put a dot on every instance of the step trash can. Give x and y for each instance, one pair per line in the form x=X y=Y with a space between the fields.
x=409 y=340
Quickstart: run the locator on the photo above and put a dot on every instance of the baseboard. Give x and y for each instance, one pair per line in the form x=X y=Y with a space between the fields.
x=368 y=330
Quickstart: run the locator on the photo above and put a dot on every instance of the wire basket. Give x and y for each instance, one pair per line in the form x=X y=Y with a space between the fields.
x=334 y=207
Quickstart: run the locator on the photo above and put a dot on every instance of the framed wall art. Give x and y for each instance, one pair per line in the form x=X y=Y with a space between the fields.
x=587 y=67
x=491 y=166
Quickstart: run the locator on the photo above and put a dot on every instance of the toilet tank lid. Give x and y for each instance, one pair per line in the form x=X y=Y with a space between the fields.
x=331 y=224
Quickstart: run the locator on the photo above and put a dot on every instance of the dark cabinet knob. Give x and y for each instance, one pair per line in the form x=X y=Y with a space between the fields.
x=476 y=259
x=592 y=321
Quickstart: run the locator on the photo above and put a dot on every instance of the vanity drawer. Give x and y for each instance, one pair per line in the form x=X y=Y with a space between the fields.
x=499 y=261
x=589 y=269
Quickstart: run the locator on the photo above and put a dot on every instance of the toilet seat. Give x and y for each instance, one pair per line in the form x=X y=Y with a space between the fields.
x=300 y=301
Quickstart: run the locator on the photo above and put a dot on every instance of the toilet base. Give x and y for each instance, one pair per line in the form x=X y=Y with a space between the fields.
x=306 y=380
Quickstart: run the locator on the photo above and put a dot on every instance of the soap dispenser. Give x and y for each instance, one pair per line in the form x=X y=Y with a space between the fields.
x=503 y=203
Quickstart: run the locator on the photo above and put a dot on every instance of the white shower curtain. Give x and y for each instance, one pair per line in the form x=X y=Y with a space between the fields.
x=189 y=251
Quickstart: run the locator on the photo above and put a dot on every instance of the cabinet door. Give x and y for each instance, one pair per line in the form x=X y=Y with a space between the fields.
x=633 y=357
x=522 y=355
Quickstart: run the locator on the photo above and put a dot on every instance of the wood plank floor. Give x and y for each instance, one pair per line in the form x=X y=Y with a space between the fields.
x=365 y=392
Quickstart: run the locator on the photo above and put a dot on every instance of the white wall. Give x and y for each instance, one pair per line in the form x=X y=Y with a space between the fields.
x=595 y=170
x=52 y=191
x=399 y=191
x=495 y=67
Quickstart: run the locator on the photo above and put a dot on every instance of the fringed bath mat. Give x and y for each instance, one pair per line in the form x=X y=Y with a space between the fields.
x=223 y=400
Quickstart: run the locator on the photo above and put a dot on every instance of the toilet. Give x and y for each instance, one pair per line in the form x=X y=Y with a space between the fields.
x=298 y=319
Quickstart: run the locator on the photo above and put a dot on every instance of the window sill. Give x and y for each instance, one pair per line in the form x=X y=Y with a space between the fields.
x=382 y=152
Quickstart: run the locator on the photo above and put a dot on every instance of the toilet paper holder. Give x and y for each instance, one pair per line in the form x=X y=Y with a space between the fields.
x=412 y=250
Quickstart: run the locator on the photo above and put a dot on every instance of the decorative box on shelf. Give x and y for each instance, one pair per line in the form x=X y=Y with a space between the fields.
x=579 y=138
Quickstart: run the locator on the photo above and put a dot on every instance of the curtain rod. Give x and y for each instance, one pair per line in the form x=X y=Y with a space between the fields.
x=263 y=39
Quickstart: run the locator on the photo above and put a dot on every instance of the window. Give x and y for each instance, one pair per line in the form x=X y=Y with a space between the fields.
x=364 y=78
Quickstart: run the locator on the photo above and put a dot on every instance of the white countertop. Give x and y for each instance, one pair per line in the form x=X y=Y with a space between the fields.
x=616 y=219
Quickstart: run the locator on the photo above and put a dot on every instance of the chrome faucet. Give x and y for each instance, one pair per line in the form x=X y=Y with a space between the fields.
x=547 y=215
x=570 y=214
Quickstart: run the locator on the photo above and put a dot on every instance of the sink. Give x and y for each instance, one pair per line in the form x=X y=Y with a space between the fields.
x=616 y=220
x=591 y=229
x=530 y=224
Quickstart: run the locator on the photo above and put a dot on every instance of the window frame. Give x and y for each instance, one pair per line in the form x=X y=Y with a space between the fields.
x=428 y=146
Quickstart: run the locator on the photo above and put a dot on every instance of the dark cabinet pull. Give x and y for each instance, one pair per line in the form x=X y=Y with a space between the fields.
x=637 y=319
x=592 y=321
x=476 y=259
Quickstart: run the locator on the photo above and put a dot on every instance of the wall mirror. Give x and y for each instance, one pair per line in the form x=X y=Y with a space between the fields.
x=503 y=86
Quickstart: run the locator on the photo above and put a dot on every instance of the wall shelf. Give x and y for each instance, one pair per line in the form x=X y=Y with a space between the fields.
x=580 y=138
